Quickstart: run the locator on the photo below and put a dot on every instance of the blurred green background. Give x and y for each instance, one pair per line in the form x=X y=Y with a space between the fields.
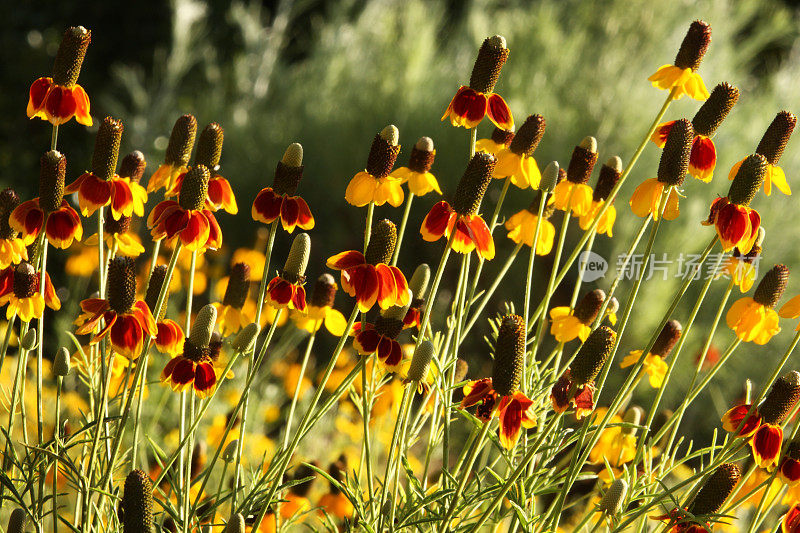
x=331 y=74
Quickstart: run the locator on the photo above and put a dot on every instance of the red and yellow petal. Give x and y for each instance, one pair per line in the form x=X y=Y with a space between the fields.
x=499 y=113
x=791 y=520
x=514 y=414
x=661 y=132
x=205 y=380
x=123 y=202
x=766 y=445
x=703 y=158
x=735 y=419
x=439 y=219
x=169 y=337
x=279 y=292
x=127 y=336
x=63 y=227
x=481 y=237
x=789 y=471
x=27 y=219
x=37 y=96
x=468 y=107
x=475 y=391
x=346 y=260
x=220 y=195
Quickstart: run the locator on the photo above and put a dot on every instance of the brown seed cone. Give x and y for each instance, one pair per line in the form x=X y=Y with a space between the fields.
x=528 y=136
x=133 y=166
x=25 y=280
x=771 y=287
x=121 y=284
x=17 y=521
x=694 y=45
x=181 y=141
x=492 y=55
x=388 y=326
x=715 y=491
x=509 y=355
x=238 y=286
x=748 y=180
x=592 y=355
x=382 y=157
x=714 y=110
x=674 y=163
x=53 y=167
x=115 y=226
x=106 y=148
x=781 y=399
x=9 y=200
x=610 y=173
x=286 y=179
x=303 y=472
x=581 y=164
x=501 y=136
x=194 y=189
x=153 y=288
x=137 y=503
x=667 y=339
x=548 y=210
x=776 y=137
x=469 y=194
x=381 y=242
x=420 y=160
x=324 y=292
x=587 y=309
x=69 y=59
x=209 y=146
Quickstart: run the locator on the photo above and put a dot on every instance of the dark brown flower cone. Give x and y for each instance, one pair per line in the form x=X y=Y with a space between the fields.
x=153 y=289
x=209 y=146
x=303 y=472
x=584 y=157
x=592 y=355
x=382 y=241
x=771 y=287
x=238 y=286
x=383 y=152
x=667 y=339
x=121 y=284
x=289 y=171
x=714 y=110
x=492 y=55
x=133 y=166
x=106 y=148
x=694 y=45
x=509 y=355
x=294 y=270
x=748 y=180
x=137 y=503
x=469 y=194
x=116 y=226
x=53 y=167
x=69 y=59
x=548 y=210
x=501 y=136
x=181 y=141
x=674 y=163
x=324 y=292
x=390 y=326
x=781 y=399
x=610 y=173
x=528 y=136
x=25 y=280
x=776 y=137
x=715 y=491
x=194 y=189
x=422 y=156
x=18 y=521
x=587 y=309
x=9 y=200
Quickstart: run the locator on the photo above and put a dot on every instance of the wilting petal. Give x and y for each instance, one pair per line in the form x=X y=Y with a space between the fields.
x=476 y=391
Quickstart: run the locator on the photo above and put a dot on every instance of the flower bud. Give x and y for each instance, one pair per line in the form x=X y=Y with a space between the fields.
x=469 y=194
x=420 y=362
x=29 y=341
x=694 y=46
x=137 y=503
x=611 y=503
x=383 y=153
x=238 y=286
x=592 y=355
x=235 y=524
x=324 y=292
x=53 y=167
x=133 y=166
x=382 y=241
x=26 y=280
x=106 y=148
x=209 y=146
x=715 y=490
x=771 y=287
x=203 y=326
x=549 y=177
x=715 y=109
x=422 y=156
x=462 y=369
x=229 y=453
x=633 y=416
x=584 y=157
x=62 y=362
x=674 y=163
x=246 y=338
x=528 y=137
x=492 y=55
x=748 y=180
x=509 y=355
x=419 y=283
x=194 y=189
x=181 y=141
x=294 y=269
x=610 y=173
x=667 y=339
x=781 y=399
x=121 y=284
x=70 y=55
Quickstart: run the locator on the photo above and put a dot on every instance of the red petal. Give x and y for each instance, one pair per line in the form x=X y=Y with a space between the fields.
x=387 y=288
x=195 y=234
x=290 y=212
x=63 y=227
x=121 y=198
x=127 y=336
x=790 y=470
x=470 y=105
x=279 y=292
x=499 y=112
x=510 y=414
x=304 y=217
x=299 y=298
x=214 y=232
x=766 y=444
x=37 y=95
x=183 y=372
x=266 y=206
x=60 y=104
x=346 y=260
x=205 y=379
x=704 y=154
x=475 y=391
x=436 y=221
x=393 y=356
x=482 y=237
x=367 y=341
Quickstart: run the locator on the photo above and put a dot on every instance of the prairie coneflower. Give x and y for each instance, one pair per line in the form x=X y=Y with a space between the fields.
x=418 y=172
x=195 y=366
x=380 y=338
x=367 y=277
x=12 y=247
x=320 y=309
x=654 y=364
x=501 y=138
x=790 y=523
x=58 y=98
x=743 y=268
x=137 y=503
x=375 y=183
x=617 y=445
x=682 y=77
x=279 y=200
x=473 y=102
x=20 y=289
x=499 y=395
x=754 y=319
x=772 y=145
x=286 y=289
x=573 y=193
x=471 y=232
x=672 y=169
x=516 y=162
x=176 y=158
x=789 y=469
x=762 y=427
x=568 y=324
x=610 y=173
x=169 y=336
x=128 y=321
x=521 y=227
x=419 y=288
x=230 y=313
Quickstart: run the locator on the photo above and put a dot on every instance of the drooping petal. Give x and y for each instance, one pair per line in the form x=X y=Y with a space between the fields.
x=735 y=418
x=346 y=260
x=267 y=206
x=437 y=221
x=703 y=158
x=766 y=445
x=499 y=113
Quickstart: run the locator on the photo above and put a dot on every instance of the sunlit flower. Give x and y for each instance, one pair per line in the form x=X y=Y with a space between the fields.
x=194 y=368
x=169 y=336
x=568 y=324
x=743 y=268
x=791 y=520
x=320 y=309
x=617 y=445
x=20 y=290
x=754 y=319
x=500 y=139
x=789 y=470
x=279 y=201
x=418 y=172
x=682 y=77
x=12 y=248
x=286 y=289
x=176 y=158
x=521 y=227
x=576 y=387
x=375 y=183
x=380 y=338
x=117 y=233
x=771 y=147
x=654 y=364
x=572 y=194
x=230 y=312
x=516 y=162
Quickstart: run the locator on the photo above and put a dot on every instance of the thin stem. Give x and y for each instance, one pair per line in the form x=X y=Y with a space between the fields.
x=39 y=364
x=262 y=289
x=298 y=387
x=56 y=451
x=402 y=231
x=407 y=392
x=526 y=304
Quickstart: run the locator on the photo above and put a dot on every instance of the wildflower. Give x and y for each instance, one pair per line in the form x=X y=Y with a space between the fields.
x=118 y=232
x=279 y=201
x=617 y=445
x=380 y=338
x=195 y=366
x=499 y=395
x=771 y=147
x=462 y=216
x=375 y=183
x=320 y=309
x=703 y=157
x=762 y=426
x=733 y=218
x=654 y=363
x=791 y=309
x=49 y=211
x=682 y=77
x=672 y=169
x=59 y=98
x=187 y=219
x=567 y=324
x=742 y=268
x=791 y=520
x=417 y=173
x=286 y=289
x=128 y=322
x=334 y=502
x=471 y=103
x=230 y=313
x=610 y=173
x=20 y=289
x=419 y=288
x=573 y=193
x=169 y=336
x=754 y=319
x=500 y=139
x=576 y=386
x=516 y=162
x=137 y=503
x=789 y=470
x=176 y=158
x=368 y=277
x=12 y=248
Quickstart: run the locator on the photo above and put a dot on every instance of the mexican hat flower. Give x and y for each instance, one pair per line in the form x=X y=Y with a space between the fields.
x=573 y=193
x=703 y=157
x=516 y=162
x=320 y=309
x=20 y=289
x=789 y=467
x=754 y=319
x=471 y=232
x=735 y=221
x=12 y=247
x=194 y=368
x=762 y=424
x=367 y=277
x=169 y=335
x=743 y=268
x=231 y=316
x=616 y=444
x=418 y=172
x=59 y=98
x=380 y=338
x=419 y=288
x=499 y=396
x=682 y=77
x=576 y=386
x=568 y=324
x=102 y=186
x=771 y=146
x=128 y=322
x=521 y=227
x=500 y=139
x=610 y=174
x=187 y=219
x=50 y=211
x=286 y=289
x=376 y=183
x=176 y=158
x=654 y=364
x=279 y=200
x=672 y=169
x=474 y=101
x=790 y=523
